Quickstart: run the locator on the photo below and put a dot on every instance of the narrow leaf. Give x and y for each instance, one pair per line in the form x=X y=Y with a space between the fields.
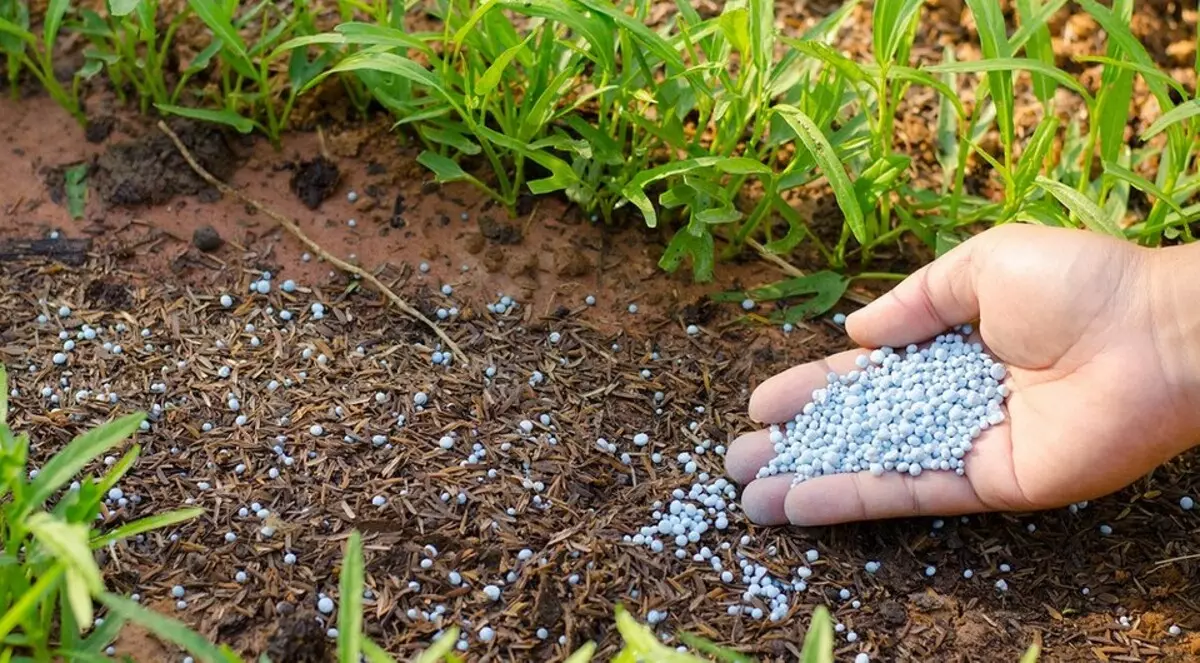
x=350 y=593
x=226 y=117
x=1180 y=113
x=75 y=185
x=827 y=161
x=993 y=65
x=993 y=38
x=1081 y=207
x=147 y=524
x=1142 y=184
x=1038 y=48
x=818 y=642
x=77 y=454
x=444 y=169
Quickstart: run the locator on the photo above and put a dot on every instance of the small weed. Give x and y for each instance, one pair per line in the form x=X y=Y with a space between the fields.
x=48 y=575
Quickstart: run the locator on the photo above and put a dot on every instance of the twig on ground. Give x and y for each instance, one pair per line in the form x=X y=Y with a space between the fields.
x=291 y=227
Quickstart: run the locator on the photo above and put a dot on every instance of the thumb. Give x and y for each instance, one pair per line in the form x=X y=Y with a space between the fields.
x=933 y=299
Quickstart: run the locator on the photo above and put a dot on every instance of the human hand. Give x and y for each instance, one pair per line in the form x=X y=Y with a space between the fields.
x=1102 y=351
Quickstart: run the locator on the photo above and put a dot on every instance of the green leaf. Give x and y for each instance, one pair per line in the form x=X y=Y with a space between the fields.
x=1032 y=654
x=52 y=22
x=10 y=28
x=893 y=23
x=827 y=161
x=200 y=62
x=76 y=189
x=1180 y=113
x=827 y=54
x=1039 y=47
x=946 y=240
x=1118 y=32
x=1142 y=184
x=1082 y=207
x=713 y=649
x=584 y=654
x=122 y=7
x=450 y=138
x=762 y=36
x=350 y=593
x=226 y=117
x=27 y=605
x=76 y=455
x=389 y=63
x=810 y=284
x=1034 y=156
x=993 y=38
x=221 y=24
x=142 y=525
x=818 y=642
x=689 y=243
x=440 y=648
x=491 y=77
x=444 y=169
x=68 y=543
x=635 y=192
x=1113 y=99
x=1146 y=72
x=947 y=126
x=169 y=629
x=375 y=653
x=948 y=94
x=994 y=65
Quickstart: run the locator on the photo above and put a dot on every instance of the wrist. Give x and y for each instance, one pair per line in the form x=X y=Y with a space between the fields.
x=1175 y=308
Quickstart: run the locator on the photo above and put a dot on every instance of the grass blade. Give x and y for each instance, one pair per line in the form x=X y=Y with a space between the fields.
x=226 y=117
x=822 y=152
x=55 y=12
x=635 y=190
x=947 y=125
x=375 y=653
x=444 y=169
x=1039 y=47
x=1142 y=184
x=142 y=525
x=77 y=454
x=1008 y=65
x=29 y=602
x=3 y=394
x=1145 y=71
x=1081 y=207
x=1034 y=156
x=993 y=39
x=440 y=647
x=893 y=20
x=168 y=629
x=584 y=654
x=712 y=649
x=1180 y=113
x=222 y=28
x=818 y=642
x=350 y=593
x=1116 y=93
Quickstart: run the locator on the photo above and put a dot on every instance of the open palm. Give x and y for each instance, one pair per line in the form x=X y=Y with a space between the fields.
x=1101 y=387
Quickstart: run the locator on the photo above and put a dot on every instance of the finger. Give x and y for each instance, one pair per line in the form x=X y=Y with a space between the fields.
x=933 y=299
x=842 y=498
x=764 y=499
x=783 y=395
x=747 y=455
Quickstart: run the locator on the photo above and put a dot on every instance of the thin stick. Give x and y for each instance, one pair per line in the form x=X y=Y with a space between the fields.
x=312 y=245
x=791 y=270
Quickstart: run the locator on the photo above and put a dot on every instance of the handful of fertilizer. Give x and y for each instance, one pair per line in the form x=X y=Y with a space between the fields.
x=912 y=411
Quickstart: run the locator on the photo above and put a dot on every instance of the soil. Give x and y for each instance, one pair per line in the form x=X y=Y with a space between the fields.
x=132 y=260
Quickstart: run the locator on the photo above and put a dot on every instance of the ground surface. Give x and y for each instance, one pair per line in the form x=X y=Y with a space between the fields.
x=143 y=271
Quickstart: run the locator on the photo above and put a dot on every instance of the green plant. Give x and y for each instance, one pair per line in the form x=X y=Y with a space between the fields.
x=127 y=41
x=25 y=50
x=48 y=576
x=250 y=95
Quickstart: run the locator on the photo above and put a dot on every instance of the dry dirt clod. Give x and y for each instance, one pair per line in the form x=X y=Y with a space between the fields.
x=207 y=239
x=314 y=181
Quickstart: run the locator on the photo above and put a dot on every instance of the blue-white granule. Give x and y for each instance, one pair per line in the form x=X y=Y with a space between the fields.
x=908 y=412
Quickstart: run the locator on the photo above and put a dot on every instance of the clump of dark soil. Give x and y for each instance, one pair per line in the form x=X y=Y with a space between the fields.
x=501 y=233
x=150 y=171
x=99 y=129
x=206 y=238
x=106 y=295
x=298 y=639
x=314 y=181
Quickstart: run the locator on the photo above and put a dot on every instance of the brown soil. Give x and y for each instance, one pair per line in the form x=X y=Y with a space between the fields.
x=143 y=270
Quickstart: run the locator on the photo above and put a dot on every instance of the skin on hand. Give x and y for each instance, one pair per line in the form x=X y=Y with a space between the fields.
x=1103 y=368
